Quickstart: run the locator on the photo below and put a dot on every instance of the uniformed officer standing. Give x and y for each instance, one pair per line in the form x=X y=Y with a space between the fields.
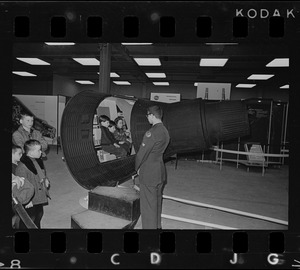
x=151 y=169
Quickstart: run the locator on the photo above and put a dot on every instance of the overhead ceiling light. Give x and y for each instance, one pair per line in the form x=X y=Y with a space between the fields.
x=24 y=73
x=148 y=61
x=161 y=83
x=60 y=43
x=112 y=74
x=196 y=84
x=156 y=75
x=213 y=62
x=122 y=82
x=87 y=61
x=279 y=62
x=260 y=76
x=136 y=44
x=287 y=86
x=33 y=61
x=245 y=85
x=222 y=43
x=84 y=82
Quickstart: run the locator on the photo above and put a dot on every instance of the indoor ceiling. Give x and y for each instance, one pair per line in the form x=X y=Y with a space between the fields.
x=179 y=62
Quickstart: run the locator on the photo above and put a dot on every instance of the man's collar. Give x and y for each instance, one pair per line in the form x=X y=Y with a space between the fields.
x=157 y=123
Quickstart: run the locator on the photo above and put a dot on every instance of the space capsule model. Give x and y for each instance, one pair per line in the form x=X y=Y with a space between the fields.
x=193 y=125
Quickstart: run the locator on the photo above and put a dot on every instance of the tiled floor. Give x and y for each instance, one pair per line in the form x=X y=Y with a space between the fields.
x=231 y=187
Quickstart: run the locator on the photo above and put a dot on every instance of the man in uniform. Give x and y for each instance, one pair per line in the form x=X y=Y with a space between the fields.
x=151 y=169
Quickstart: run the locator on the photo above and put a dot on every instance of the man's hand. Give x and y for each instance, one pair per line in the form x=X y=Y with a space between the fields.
x=116 y=145
x=47 y=183
x=19 y=181
x=29 y=205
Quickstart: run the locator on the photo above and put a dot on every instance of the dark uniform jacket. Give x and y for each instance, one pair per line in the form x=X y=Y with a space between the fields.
x=149 y=158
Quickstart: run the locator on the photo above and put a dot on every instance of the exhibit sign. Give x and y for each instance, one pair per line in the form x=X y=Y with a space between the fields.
x=214 y=91
x=165 y=97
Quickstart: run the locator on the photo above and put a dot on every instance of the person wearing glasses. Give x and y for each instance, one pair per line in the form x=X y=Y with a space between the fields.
x=151 y=169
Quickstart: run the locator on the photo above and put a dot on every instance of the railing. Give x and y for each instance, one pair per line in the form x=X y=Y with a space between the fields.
x=263 y=163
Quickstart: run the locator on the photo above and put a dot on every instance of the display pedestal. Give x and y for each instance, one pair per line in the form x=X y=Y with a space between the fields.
x=92 y=220
x=109 y=208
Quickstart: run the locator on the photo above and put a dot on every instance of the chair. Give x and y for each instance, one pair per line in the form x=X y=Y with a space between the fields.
x=255 y=160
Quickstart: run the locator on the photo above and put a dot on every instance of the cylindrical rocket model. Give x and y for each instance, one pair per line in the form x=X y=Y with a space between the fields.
x=193 y=125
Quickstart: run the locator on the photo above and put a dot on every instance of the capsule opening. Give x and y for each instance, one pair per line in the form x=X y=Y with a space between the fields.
x=118 y=111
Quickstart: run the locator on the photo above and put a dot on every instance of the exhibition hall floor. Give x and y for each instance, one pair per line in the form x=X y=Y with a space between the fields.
x=231 y=187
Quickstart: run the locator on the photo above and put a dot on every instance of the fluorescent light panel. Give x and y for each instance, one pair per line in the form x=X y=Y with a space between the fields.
x=260 y=76
x=60 y=43
x=122 y=82
x=245 y=85
x=87 y=61
x=129 y=44
x=24 y=73
x=156 y=75
x=84 y=82
x=287 y=86
x=279 y=62
x=161 y=83
x=148 y=61
x=33 y=61
x=221 y=43
x=112 y=74
x=213 y=62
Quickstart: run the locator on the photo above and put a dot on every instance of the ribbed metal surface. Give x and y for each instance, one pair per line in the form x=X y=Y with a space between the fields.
x=78 y=147
x=226 y=120
x=233 y=120
x=193 y=125
x=184 y=120
x=184 y=123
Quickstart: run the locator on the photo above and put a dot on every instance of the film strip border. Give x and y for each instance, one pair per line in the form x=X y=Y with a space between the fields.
x=182 y=249
x=167 y=26
x=156 y=21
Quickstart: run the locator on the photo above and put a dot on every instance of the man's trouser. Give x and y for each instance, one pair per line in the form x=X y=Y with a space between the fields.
x=151 y=206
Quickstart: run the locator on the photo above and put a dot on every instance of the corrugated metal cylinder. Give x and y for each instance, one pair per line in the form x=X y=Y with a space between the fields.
x=193 y=125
